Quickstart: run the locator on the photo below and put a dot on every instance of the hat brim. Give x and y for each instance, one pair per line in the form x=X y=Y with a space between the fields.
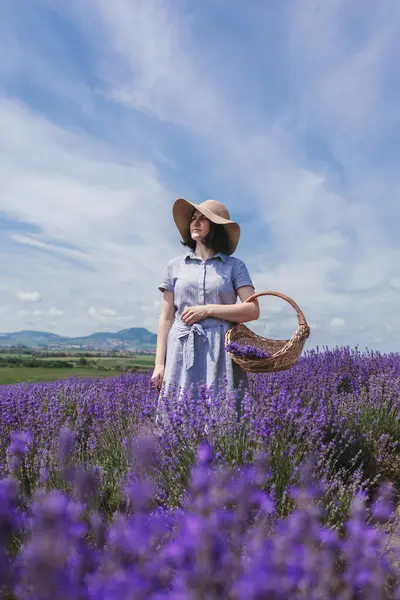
x=183 y=210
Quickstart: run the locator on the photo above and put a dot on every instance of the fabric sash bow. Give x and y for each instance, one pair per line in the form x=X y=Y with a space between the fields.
x=189 y=332
x=195 y=329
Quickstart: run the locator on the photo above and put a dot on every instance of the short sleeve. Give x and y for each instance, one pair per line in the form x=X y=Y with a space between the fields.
x=167 y=282
x=240 y=275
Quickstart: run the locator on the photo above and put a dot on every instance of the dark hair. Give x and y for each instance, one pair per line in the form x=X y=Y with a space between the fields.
x=217 y=239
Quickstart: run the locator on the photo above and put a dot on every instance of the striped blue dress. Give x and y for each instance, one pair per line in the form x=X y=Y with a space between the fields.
x=196 y=354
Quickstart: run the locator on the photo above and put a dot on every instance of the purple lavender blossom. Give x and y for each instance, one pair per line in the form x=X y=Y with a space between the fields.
x=246 y=351
x=210 y=505
x=224 y=543
x=20 y=441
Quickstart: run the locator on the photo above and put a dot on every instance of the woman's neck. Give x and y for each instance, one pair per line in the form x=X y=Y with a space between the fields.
x=203 y=252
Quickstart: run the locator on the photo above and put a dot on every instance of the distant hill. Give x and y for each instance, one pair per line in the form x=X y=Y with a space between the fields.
x=135 y=338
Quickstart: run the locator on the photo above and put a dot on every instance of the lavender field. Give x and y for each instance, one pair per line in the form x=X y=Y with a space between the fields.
x=297 y=499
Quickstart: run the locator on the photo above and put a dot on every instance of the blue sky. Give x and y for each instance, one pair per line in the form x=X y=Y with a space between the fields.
x=287 y=112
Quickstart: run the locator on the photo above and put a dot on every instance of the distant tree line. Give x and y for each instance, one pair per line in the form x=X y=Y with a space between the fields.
x=15 y=350
x=46 y=353
x=33 y=362
x=30 y=361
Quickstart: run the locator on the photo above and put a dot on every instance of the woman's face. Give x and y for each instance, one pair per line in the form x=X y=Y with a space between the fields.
x=199 y=227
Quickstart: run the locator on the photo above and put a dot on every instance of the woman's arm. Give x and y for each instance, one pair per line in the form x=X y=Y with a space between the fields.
x=164 y=325
x=237 y=313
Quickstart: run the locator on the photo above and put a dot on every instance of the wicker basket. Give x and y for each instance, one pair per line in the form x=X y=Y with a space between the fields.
x=285 y=353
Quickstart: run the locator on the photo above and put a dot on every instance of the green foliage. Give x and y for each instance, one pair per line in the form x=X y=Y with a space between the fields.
x=34 y=366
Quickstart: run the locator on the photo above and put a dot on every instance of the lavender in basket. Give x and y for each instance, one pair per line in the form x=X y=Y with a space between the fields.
x=246 y=351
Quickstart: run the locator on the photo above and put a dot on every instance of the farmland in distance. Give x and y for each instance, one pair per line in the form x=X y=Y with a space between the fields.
x=29 y=365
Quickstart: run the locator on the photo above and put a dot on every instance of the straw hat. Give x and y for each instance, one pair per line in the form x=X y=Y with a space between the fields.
x=214 y=211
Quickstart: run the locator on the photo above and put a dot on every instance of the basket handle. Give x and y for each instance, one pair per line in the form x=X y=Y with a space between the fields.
x=300 y=316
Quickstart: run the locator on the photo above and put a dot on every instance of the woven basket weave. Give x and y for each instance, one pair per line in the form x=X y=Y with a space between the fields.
x=285 y=353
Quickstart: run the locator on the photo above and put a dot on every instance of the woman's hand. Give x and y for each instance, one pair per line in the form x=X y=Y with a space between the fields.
x=194 y=314
x=157 y=377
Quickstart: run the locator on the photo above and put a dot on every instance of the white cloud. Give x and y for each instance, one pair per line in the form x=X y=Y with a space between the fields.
x=109 y=312
x=94 y=203
x=55 y=312
x=27 y=296
x=337 y=323
x=152 y=38
x=394 y=283
x=94 y=214
x=161 y=66
x=35 y=243
x=74 y=189
x=104 y=312
x=27 y=319
x=152 y=307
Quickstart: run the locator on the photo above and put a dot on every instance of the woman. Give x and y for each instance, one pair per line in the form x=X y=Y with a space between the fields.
x=200 y=290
